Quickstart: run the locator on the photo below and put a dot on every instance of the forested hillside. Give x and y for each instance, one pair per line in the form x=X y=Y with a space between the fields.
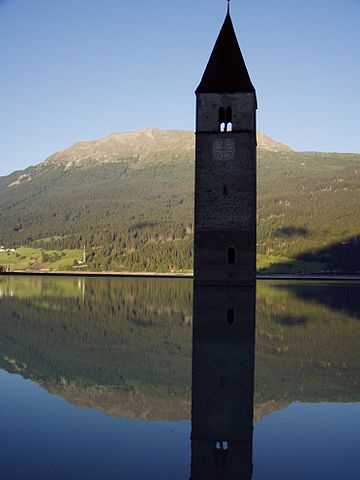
x=129 y=199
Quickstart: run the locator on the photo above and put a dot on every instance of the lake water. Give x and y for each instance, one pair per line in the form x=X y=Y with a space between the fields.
x=96 y=380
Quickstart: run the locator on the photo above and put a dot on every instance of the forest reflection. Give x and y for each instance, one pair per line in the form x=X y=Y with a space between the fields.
x=124 y=345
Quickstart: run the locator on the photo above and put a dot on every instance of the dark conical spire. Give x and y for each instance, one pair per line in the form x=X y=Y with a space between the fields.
x=226 y=71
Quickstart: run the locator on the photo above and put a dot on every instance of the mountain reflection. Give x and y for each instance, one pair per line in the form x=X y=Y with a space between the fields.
x=124 y=345
x=222 y=383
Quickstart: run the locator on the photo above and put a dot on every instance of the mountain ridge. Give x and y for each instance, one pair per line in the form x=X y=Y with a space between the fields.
x=135 y=145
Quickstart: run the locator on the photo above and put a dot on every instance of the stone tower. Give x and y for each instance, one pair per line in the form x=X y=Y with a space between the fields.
x=225 y=171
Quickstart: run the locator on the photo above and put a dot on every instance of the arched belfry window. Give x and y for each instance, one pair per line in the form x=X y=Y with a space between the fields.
x=222 y=124
x=228 y=119
x=231 y=255
x=230 y=316
x=225 y=119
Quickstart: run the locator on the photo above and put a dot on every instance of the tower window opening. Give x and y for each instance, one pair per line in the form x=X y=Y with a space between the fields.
x=222 y=123
x=221 y=453
x=222 y=445
x=231 y=255
x=228 y=115
x=228 y=119
x=225 y=119
x=230 y=316
x=225 y=190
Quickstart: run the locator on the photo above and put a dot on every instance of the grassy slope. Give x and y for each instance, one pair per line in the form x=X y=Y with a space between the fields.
x=28 y=258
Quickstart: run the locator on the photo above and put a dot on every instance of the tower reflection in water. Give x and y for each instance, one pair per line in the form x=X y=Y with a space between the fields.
x=223 y=383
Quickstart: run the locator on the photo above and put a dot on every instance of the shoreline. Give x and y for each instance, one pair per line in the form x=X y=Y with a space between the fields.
x=331 y=278
x=99 y=274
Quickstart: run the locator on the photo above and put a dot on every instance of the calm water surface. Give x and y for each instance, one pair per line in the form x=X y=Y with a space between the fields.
x=95 y=380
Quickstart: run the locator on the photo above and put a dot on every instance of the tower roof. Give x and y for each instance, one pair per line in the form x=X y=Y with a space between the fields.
x=226 y=71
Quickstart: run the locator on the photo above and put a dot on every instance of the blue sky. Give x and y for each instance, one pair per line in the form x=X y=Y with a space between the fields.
x=80 y=69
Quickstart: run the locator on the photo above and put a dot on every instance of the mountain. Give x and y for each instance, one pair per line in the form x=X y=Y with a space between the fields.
x=129 y=199
x=138 y=148
x=142 y=147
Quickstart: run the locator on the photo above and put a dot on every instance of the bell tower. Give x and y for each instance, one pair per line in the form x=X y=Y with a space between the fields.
x=225 y=168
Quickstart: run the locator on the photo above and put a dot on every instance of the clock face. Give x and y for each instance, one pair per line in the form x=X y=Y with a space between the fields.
x=223 y=149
